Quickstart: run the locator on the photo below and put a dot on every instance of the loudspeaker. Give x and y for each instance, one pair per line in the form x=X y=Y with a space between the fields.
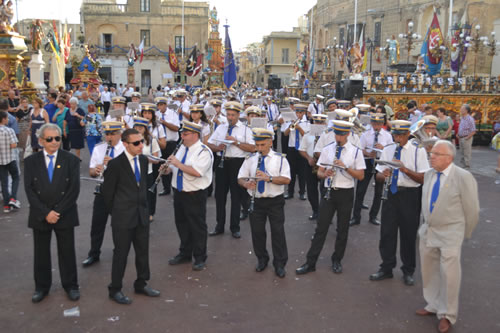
x=273 y=82
x=347 y=89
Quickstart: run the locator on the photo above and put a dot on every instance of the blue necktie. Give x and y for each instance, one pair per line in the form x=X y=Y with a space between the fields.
x=136 y=171
x=262 y=167
x=297 y=139
x=435 y=191
x=164 y=127
x=180 y=173
x=230 y=132
x=270 y=113
x=112 y=152
x=50 y=168
x=395 y=173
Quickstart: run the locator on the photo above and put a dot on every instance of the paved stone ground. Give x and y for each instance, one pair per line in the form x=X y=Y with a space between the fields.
x=229 y=296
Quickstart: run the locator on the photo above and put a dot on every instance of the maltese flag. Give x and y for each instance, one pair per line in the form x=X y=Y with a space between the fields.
x=141 y=49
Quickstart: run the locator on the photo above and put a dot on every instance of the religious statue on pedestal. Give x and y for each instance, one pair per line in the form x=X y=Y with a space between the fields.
x=6 y=16
x=393 y=51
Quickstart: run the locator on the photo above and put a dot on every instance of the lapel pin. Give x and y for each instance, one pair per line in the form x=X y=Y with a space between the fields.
x=58 y=166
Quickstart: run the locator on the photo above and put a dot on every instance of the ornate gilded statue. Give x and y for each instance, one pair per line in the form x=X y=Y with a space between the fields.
x=6 y=16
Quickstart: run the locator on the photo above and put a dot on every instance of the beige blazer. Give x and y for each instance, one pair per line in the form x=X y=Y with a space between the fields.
x=456 y=211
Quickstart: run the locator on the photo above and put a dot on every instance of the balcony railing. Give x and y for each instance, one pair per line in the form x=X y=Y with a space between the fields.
x=94 y=8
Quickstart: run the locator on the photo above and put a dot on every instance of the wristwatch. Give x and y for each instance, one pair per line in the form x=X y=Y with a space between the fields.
x=238 y=143
x=270 y=179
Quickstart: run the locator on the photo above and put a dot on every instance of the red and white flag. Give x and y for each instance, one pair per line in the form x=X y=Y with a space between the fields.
x=141 y=50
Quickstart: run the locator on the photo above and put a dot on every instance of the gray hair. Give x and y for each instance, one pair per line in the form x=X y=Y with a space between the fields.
x=49 y=126
x=73 y=100
x=467 y=107
x=450 y=146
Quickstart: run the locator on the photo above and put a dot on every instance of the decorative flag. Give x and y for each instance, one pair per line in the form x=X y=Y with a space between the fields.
x=172 y=60
x=433 y=40
x=229 y=67
x=199 y=64
x=362 y=48
x=141 y=49
x=311 y=66
x=455 y=51
x=191 y=62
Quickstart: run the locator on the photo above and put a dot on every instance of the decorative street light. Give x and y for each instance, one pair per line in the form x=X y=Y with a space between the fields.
x=492 y=44
x=371 y=45
x=410 y=38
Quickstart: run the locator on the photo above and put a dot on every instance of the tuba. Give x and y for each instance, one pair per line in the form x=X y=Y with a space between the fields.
x=358 y=127
x=421 y=137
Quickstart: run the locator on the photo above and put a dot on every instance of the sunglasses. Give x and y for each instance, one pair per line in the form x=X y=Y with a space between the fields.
x=136 y=143
x=50 y=138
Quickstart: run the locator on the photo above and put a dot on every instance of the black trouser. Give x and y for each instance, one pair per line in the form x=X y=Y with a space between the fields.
x=5 y=170
x=190 y=210
x=106 y=106
x=272 y=208
x=227 y=180
x=313 y=183
x=361 y=191
x=245 y=202
x=66 y=143
x=275 y=140
x=340 y=202
x=152 y=195
x=284 y=143
x=122 y=239
x=165 y=153
x=65 y=254
x=98 y=227
x=297 y=170
x=401 y=211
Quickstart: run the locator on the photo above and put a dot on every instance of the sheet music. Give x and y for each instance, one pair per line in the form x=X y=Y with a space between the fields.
x=289 y=116
x=258 y=123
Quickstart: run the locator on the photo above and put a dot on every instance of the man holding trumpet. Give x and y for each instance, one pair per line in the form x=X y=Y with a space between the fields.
x=191 y=169
x=264 y=175
x=101 y=155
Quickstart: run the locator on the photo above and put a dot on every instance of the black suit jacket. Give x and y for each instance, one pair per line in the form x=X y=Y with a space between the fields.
x=126 y=201
x=59 y=195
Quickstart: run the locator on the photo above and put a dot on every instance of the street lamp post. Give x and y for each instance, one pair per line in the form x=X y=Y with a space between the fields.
x=410 y=38
x=371 y=45
x=492 y=44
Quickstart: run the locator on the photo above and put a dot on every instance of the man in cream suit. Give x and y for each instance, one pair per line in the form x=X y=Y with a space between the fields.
x=450 y=207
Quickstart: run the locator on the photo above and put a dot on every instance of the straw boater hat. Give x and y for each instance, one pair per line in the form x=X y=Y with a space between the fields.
x=341 y=127
x=331 y=101
x=400 y=126
x=343 y=114
x=190 y=126
x=260 y=134
x=300 y=107
x=197 y=108
x=141 y=121
x=430 y=119
x=233 y=106
x=136 y=94
x=161 y=99
x=119 y=100
x=148 y=107
x=111 y=126
x=319 y=117
x=216 y=102
x=377 y=117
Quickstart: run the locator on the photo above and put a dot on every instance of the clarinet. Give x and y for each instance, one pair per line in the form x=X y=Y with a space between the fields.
x=332 y=178
x=374 y=143
x=252 y=199
x=221 y=164
x=152 y=189
x=97 y=189
x=388 y=181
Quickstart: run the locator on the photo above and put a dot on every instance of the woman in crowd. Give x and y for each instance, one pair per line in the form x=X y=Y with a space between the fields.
x=23 y=120
x=38 y=117
x=93 y=128
x=150 y=147
x=58 y=119
x=73 y=122
x=444 y=125
x=197 y=116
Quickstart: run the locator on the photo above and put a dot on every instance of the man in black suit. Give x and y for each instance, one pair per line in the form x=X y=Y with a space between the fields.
x=125 y=194
x=52 y=184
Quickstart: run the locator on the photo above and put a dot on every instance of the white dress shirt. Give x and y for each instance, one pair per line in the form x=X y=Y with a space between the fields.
x=442 y=180
x=271 y=111
x=408 y=155
x=352 y=158
x=47 y=158
x=304 y=124
x=199 y=157
x=185 y=108
x=276 y=165
x=367 y=140
x=131 y=161
x=150 y=149
x=106 y=96
x=312 y=108
x=99 y=153
x=171 y=117
x=241 y=133
x=307 y=144
x=328 y=137
x=157 y=132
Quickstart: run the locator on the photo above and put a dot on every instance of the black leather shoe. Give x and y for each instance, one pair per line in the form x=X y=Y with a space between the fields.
x=164 y=192
x=215 y=232
x=337 y=267
x=148 y=291
x=90 y=261
x=38 y=296
x=313 y=217
x=381 y=275
x=302 y=197
x=73 y=294
x=261 y=266
x=374 y=221
x=280 y=272
x=243 y=216
x=408 y=280
x=119 y=298
x=353 y=221
x=236 y=234
x=198 y=266
x=304 y=269
x=363 y=206
x=288 y=196
x=178 y=259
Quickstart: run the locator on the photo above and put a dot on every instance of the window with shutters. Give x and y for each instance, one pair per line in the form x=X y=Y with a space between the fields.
x=146 y=36
x=284 y=56
x=145 y=5
x=341 y=36
x=378 y=34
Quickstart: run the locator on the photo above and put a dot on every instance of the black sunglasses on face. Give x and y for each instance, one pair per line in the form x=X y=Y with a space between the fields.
x=136 y=143
x=50 y=138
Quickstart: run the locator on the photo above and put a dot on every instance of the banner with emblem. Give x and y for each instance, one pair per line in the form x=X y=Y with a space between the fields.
x=229 y=66
x=172 y=60
x=432 y=41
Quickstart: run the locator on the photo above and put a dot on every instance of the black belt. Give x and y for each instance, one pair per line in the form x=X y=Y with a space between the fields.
x=406 y=188
x=271 y=198
x=232 y=158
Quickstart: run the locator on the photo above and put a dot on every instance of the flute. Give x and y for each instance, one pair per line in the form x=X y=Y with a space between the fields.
x=252 y=199
x=100 y=177
x=152 y=189
x=332 y=178
x=388 y=180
